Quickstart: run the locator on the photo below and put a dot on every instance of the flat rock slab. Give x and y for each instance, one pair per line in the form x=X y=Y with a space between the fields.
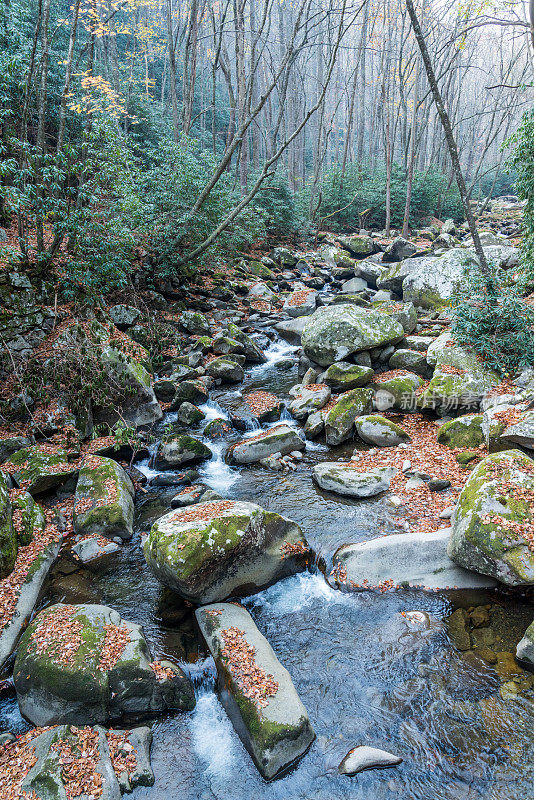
x=344 y=478
x=408 y=559
x=363 y=757
x=256 y=690
x=27 y=599
x=93 y=548
x=280 y=439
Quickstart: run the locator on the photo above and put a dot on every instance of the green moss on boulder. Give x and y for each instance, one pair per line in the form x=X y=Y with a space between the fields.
x=464 y=431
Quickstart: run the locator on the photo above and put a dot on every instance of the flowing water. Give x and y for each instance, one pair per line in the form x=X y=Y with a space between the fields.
x=362 y=675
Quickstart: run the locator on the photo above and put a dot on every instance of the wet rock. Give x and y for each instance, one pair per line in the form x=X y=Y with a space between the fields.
x=280 y=439
x=226 y=369
x=104 y=500
x=344 y=478
x=223 y=548
x=85 y=664
x=178 y=449
x=257 y=408
x=93 y=549
x=196 y=493
x=343 y=376
x=251 y=348
x=364 y=757
x=407 y=559
x=489 y=533
x=309 y=399
x=340 y=419
x=224 y=345
x=216 y=429
x=334 y=332
x=525 y=648
x=458 y=627
x=262 y=701
x=188 y=414
x=39 y=468
x=190 y=391
x=291 y=330
x=377 y=430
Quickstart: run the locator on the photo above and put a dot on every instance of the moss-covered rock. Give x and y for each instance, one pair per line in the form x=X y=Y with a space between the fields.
x=397 y=391
x=217 y=549
x=464 y=431
x=344 y=376
x=403 y=313
x=195 y=322
x=334 y=332
x=359 y=246
x=252 y=350
x=377 y=430
x=280 y=439
x=260 y=270
x=432 y=281
x=104 y=501
x=412 y=360
x=178 y=449
x=190 y=391
x=493 y=520
x=8 y=535
x=309 y=400
x=265 y=709
x=28 y=517
x=40 y=467
x=85 y=664
x=525 y=648
x=188 y=414
x=226 y=369
x=225 y=344
x=339 y=420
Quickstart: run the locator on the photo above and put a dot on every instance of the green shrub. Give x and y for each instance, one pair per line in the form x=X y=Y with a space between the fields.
x=276 y=202
x=498 y=325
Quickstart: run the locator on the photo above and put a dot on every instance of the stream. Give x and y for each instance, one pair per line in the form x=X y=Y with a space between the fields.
x=363 y=678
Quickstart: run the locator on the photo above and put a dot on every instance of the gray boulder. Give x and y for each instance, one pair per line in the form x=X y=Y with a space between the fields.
x=343 y=477
x=280 y=439
x=339 y=420
x=399 y=249
x=432 y=281
x=354 y=285
x=525 y=648
x=363 y=757
x=379 y=431
x=195 y=322
x=104 y=500
x=124 y=316
x=336 y=331
x=225 y=368
x=214 y=550
x=256 y=690
x=343 y=376
x=291 y=330
x=8 y=534
x=359 y=246
x=178 y=449
x=309 y=399
x=301 y=302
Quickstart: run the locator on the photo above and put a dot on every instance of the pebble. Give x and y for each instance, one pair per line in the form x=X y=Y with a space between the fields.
x=406 y=465
x=447 y=513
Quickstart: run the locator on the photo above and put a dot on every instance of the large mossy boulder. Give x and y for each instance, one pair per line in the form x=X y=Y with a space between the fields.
x=396 y=390
x=344 y=376
x=359 y=246
x=460 y=379
x=525 y=648
x=301 y=302
x=309 y=399
x=178 y=449
x=462 y=432
x=104 y=500
x=28 y=517
x=84 y=664
x=40 y=468
x=493 y=528
x=279 y=439
x=217 y=549
x=256 y=690
x=189 y=391
x=344 y=477
x=334 y=332
x=339 y=420
x=379 y=431
x=8 y=534
x=431 y=283
x=225 y=369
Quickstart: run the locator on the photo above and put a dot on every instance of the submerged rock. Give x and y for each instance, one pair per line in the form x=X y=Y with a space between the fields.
x=344 y=478
x=104 y=500
x=85 y=664
x=256 y=690
x=336 y=331
x=492 y=523
x=280 y=439
x=406 y=559
x=363 y=757
x=214 y=550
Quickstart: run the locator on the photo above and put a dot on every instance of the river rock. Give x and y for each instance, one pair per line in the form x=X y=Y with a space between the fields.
x=93 y=549
x=300 y=303
x=336 y=331
x=178 y=449
x=399 y=249
x=520 y=431
x=252 y=350
x=396 y=391
x=403 y=313
x=257 y=408
x=343 y=477
x=124 y=316
x=189 y=391
x=433 y=279
x=309 y=399
x=364 y=757
x=226 y=369
x=411 y=360
x=280 y=439
x=104 y=500
x=218 y=549
x=343 y=376
x=85 y=664
x=291 y=330
x=407 y=559
x=393 y=276
x=339 y=420
x=256 y=690
x=225 y=345
x=525 y=648
x=460 y=379
x=40 y=468
x=462 y=432
x=359 y=246
x=353 y=286
x=29 y=515
x=492 y=521
x=377 y=430
x=195 y=322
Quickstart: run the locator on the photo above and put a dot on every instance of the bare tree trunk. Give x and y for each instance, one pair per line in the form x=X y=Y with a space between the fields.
x=68 y=75
x=190 y=68
x=449 y=136
x=412 y=154
x=172 y=72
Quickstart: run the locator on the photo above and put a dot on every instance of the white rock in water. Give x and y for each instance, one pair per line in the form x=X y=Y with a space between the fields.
x=363 y=757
